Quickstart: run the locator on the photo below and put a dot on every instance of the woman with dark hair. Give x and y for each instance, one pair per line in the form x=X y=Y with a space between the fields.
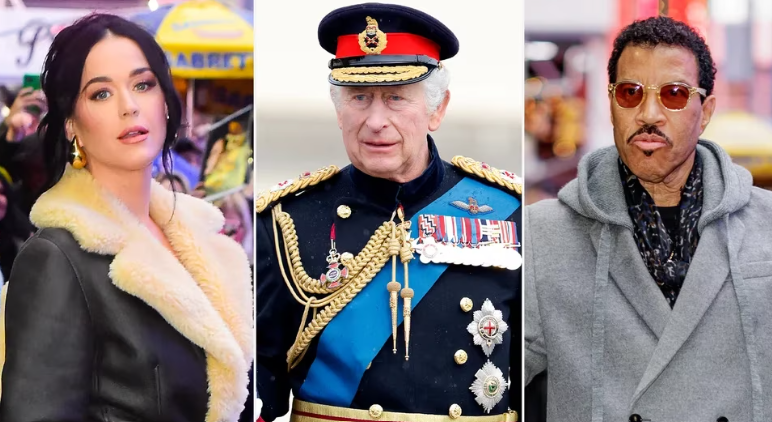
x=127 y=304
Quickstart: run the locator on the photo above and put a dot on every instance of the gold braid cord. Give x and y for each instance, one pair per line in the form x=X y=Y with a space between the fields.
x=378 y=73
x=264 y=199
x=362 y=269
x=484 y=171
x=299 y=274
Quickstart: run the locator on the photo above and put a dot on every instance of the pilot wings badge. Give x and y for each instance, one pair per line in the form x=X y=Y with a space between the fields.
x=472 y=207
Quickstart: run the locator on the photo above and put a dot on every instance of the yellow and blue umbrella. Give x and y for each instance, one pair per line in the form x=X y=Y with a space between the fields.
x=203 y=39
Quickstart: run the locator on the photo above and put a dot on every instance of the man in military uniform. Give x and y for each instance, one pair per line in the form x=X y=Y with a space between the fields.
x=390 y=289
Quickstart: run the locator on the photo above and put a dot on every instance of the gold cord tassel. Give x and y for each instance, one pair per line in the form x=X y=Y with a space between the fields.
x=362 y=268
x=393 y=286
x=407 y=297
x=406 y=254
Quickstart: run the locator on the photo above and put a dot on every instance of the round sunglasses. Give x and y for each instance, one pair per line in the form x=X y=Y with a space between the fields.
x=674 y=96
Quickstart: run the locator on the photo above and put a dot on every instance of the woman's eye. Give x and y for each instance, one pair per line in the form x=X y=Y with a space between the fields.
x=145 y=86
x=101 y=95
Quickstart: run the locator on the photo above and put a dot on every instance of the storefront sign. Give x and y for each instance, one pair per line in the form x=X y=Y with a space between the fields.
x=214 y=61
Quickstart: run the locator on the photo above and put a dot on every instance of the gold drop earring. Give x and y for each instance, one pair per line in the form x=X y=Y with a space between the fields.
x=78 y=156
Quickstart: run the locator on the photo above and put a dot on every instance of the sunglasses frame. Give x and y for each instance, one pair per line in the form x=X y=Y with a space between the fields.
x=612 y=90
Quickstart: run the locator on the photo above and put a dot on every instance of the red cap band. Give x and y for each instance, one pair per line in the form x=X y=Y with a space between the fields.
x=397 y=43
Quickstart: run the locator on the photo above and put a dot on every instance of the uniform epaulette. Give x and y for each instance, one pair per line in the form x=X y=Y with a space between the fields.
x=308 y=179
x=503 y=178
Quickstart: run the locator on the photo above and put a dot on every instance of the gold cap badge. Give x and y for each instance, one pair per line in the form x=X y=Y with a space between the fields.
x=372 y=40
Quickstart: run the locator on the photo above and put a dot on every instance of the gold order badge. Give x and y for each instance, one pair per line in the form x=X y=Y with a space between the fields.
x=372 y=40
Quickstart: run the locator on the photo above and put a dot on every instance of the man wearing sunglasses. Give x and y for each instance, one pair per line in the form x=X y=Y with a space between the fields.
x=648 y=282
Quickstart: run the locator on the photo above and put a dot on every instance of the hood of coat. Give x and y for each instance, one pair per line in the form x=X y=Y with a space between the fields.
x=597 y=191
x=203 y=289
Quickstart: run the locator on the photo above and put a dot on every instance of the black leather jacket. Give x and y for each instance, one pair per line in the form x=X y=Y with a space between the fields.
x=103 y=323
x=80 y=349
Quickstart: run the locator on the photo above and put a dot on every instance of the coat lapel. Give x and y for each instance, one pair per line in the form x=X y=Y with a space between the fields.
x=204 y=292
x=633 y=279
x=707 y=273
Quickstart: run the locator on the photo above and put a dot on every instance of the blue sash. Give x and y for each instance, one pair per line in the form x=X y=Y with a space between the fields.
x=352 y=339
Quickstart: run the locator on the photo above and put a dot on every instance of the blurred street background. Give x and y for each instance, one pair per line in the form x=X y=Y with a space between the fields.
x=296 y=127
x=566 y=104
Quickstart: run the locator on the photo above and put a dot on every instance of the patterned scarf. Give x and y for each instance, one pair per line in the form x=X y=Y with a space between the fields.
x=666 y=259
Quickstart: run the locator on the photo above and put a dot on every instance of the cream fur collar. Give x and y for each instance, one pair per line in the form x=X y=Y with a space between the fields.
x=205 y=295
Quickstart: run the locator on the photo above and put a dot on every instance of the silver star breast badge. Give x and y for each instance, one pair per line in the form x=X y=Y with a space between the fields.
x=488 y=327
x=488 y=386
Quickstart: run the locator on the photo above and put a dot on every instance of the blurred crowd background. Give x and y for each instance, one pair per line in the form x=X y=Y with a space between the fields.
x=209 y=44
x=567 y=45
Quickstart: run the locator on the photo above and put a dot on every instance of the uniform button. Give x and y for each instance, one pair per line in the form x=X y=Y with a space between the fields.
x=460 y=357
x=455 y=411
x=466 y=304
x=722 y=419
x=635 y=418
x=344 y=211
x=376 y=411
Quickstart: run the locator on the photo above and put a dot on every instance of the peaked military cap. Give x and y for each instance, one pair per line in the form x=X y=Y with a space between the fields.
x=384 y=44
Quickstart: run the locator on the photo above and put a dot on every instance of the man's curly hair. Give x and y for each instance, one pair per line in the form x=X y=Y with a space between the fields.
x=667 y=31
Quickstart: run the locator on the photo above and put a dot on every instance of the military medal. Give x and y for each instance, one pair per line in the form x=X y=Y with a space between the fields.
x=512 y=258
x=335 y=270
x=488 y=386
x=426 y=245
x=454 y=254
x=476 y=257
x=467 y=241
x=488 y=327
x=429 y=250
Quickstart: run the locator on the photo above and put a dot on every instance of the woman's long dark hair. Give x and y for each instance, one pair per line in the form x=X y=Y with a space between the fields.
x=61 y=79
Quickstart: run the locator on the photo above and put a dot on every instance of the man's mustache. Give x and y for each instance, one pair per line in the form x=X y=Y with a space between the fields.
x=650 y=130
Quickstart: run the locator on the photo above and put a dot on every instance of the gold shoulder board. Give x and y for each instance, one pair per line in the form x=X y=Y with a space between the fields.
x=304 y=181
x=502 y=178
